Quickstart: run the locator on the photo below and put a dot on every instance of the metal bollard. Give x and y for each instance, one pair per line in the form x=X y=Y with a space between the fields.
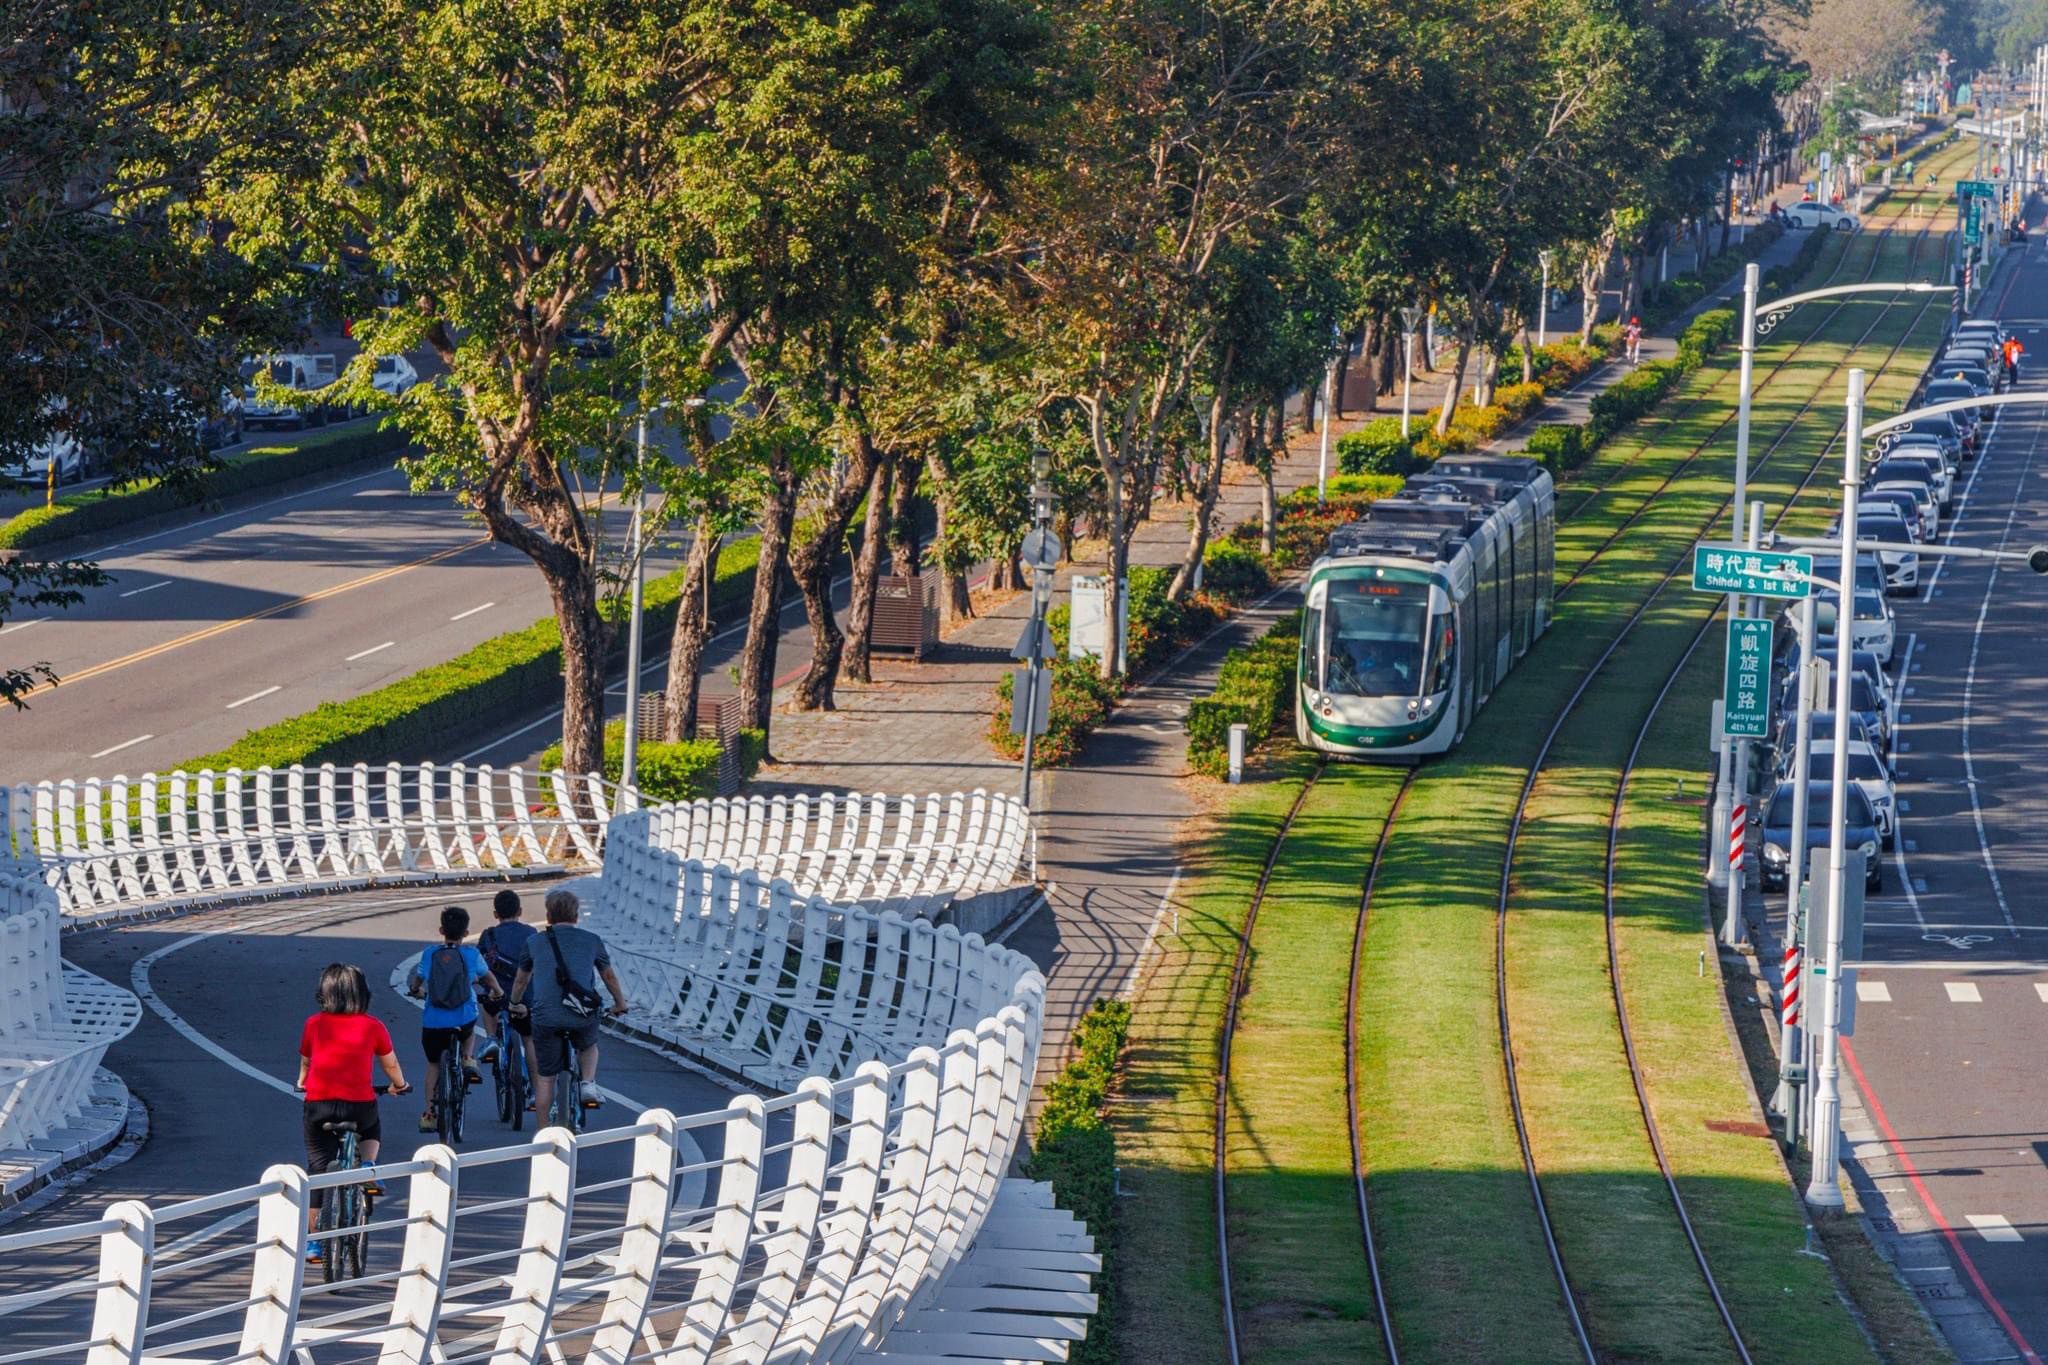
x=1237 y=738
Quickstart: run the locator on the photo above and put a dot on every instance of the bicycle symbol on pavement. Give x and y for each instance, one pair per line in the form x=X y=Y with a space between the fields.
x=1963 y=943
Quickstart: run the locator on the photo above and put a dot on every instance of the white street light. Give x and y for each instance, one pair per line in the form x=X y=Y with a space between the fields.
x=1409 y=317
x=1546 y=256
x=1329 y=411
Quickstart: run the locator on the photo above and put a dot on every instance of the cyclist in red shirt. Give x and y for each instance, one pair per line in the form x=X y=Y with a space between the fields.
x=336 y=1048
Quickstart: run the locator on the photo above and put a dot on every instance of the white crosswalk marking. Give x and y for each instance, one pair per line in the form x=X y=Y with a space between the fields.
x=1873 y=990
x=2041 y=989
x=1993 y=1228
x=1963 y=992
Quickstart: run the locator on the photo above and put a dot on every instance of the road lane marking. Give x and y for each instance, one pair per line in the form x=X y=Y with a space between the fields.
x=256 y=696
x=366 y=653
x=1963 y=992
x=22 y=625
x=137 y=592
x=1873 y=990
x=1993 y=1227
x=1912 y=1173
x=461 y=615
x=275 y=609
x=2041 y=989
x=124 y=744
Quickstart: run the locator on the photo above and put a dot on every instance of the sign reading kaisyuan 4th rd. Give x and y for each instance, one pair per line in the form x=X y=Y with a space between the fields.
x=1756 y=573
x=1746 y=693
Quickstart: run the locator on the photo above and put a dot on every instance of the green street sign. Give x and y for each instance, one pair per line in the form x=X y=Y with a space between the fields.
x=1746 y=693
x=1754 y=573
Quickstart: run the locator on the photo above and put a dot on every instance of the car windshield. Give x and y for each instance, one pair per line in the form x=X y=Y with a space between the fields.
x=1904 y=471
x=1819 y=797
x=1886 y=529
x=1869 y=573
x=387 y=365
x=1374 y=636
x=1950 y=391
x=1863 y=767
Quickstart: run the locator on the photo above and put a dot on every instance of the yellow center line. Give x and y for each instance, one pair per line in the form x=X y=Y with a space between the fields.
x=223 y=627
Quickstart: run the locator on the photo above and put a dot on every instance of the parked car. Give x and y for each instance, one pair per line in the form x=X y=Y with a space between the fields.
x=73 y=463
x=1954 y=391
x=1877 y=630
x=1868 y=771
x=1892 y=502
x=1989 y=328
x=1909 y=468
x=1809 y=213
x=1928 y=458
x=1900 y=555
x=1914 y=442
x=1859 y=832
x=394 y=375
x=1984 y=379
x=1822 y=725
x=298 y=373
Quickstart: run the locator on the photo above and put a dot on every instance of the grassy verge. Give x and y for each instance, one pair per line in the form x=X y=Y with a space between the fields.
x=1167 y=1292
x=1297 y=1255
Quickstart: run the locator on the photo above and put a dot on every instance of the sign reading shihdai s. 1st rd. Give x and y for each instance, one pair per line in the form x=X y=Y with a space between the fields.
x=1754 y=573
x=1746 y=693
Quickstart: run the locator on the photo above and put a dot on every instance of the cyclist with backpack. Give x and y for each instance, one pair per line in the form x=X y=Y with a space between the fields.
x=447 y=976
x=558 y=977
x=502 y=945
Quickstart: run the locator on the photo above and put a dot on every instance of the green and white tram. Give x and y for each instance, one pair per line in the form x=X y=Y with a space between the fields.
x=1416 y=611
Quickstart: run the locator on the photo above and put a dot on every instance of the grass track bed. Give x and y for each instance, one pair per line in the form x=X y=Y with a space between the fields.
x=1297 y=1254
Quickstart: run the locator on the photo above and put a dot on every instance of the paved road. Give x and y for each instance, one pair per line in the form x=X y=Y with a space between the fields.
x=1952 y=1013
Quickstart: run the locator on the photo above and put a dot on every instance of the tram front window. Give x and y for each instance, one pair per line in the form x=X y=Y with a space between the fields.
x=1374 y=638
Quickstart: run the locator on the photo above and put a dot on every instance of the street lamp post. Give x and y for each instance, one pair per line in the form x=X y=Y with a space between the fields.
x=1329 y=412
x=1409 y=318
x=1041 y=553
x=1546 y=256
x=1824 y=1189
x=1792 y=1044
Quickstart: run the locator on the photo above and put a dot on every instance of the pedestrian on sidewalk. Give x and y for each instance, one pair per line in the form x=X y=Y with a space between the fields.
x=1633 y=335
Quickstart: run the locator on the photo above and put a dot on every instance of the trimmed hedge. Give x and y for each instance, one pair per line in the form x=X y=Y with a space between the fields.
x=1254 y=688
x=427 y=710
x=1378 y=447
x=684 y=771
x=1234 y=571
x=1629 y=397
x=88 y=513
x=1560 y=445
x=1075 y=1152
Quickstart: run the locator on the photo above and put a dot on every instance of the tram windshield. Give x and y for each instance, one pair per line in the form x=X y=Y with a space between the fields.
x=1379 y=640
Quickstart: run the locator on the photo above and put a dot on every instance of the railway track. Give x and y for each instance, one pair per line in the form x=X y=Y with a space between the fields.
x=1517 y=823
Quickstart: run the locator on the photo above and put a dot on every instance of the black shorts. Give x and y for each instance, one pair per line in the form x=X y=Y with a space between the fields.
x=548 y=1058
x=436 y=1040
x=323 y=1148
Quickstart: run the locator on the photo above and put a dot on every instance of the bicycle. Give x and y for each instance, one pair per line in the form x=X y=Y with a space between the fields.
x=454 y=1085
x=568 y=1106
x=345 y=1206
x=509 y=1072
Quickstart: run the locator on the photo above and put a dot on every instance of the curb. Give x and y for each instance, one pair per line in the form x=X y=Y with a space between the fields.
x=113 y=1122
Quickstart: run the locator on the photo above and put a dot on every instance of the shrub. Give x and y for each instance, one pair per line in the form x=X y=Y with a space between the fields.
x=1378 y=447
x=1234 y=571
x=684 y=771
x=1254 y=688
x=753 y=747
x=101 y=509
x=426 y=711
x=1560 y=446
x=1075 y=1152
x=1632 y=396
x=1080 y=702
x=1519 y=400
x=1562 y=364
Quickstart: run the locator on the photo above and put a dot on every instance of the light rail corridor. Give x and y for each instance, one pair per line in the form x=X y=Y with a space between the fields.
x=1423 y=1084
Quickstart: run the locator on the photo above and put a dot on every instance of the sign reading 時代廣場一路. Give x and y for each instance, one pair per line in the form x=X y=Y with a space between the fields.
x=1746 y=692
x=1753 y=573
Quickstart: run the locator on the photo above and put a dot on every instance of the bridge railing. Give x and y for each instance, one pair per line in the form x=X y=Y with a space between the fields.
x=176 y=840
x=829 y=1212
x=56 y=1020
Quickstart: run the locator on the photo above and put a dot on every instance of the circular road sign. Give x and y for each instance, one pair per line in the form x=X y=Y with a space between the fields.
x=1041 y=549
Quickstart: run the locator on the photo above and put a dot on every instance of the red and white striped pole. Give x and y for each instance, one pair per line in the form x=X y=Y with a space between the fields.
x=1791 y=1048
x=1738 y=825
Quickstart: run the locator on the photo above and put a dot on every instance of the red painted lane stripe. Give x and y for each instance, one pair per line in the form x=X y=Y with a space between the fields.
x=1891 y=1137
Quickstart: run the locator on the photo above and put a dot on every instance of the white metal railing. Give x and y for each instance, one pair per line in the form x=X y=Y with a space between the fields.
x=831 y=1212
x=175 y=840
x=180 y=839
x=56 y=1020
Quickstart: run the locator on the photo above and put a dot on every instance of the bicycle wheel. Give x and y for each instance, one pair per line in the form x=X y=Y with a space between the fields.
x=358 y=1243
x=329 y=1254
x=568 y=1103
x=450 y=1091
x=501 y=1079
x=516 y=1084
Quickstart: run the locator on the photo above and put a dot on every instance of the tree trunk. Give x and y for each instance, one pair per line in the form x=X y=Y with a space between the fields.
x=1269 y=508
x=574 y=592
x=764 y=612
x=812 y=562
x=904 y=550
x=1589 y=302
x=855 y=665
x=955 y=603
x=1457 y=382
x=1386 y=365
x=1212 y=480
x=1489 y=373
x=693 y=631
x=1528 y=355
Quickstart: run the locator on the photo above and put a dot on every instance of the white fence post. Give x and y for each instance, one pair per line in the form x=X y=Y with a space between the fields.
x=121 y=1307
x=429 y=1247
x=641 y=1243
x=276 y=1274
x=551 y=1194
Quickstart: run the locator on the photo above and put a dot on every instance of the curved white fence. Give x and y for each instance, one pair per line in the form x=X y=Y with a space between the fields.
x=838 y=1220
x=178 y=840
x=56 y=1020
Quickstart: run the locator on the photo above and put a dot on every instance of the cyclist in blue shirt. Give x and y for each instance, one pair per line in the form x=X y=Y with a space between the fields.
x=446 y=977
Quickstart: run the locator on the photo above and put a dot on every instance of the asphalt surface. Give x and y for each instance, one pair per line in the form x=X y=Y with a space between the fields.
x=213 y=1062
x=1951 y=1018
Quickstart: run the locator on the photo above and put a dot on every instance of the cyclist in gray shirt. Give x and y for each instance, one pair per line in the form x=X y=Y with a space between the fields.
x=583 y=961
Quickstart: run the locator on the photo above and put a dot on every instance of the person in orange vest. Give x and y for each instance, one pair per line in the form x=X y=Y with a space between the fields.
x=2013 y=349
